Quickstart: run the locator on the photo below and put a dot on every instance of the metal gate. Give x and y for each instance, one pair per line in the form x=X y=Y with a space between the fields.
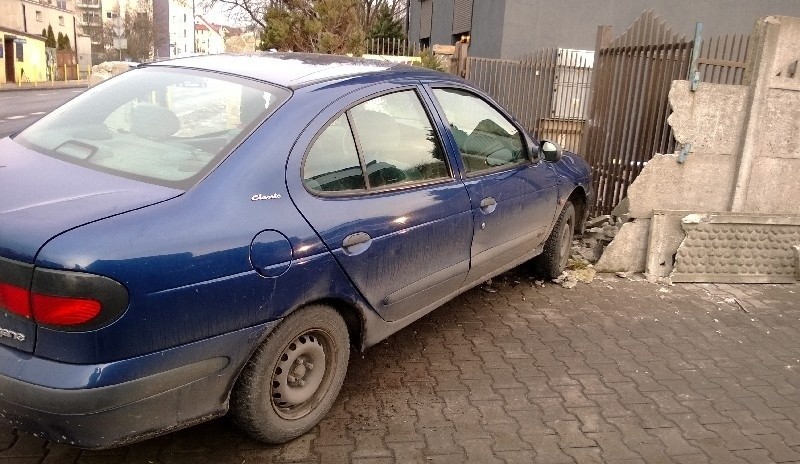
x=629 y=106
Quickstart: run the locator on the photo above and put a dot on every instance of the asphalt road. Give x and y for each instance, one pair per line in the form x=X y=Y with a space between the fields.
x=19 y=108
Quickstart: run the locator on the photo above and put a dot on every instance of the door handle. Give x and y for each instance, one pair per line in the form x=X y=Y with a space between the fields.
x=488 y=205
x=356 y=243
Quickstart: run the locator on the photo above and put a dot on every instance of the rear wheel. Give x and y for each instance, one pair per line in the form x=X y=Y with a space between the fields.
x=294 y=377
x=553 y=260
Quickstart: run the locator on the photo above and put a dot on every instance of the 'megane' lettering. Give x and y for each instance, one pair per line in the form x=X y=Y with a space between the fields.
x=11 y=334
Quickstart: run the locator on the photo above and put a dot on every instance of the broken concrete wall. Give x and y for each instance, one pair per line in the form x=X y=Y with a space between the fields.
x=743 y=156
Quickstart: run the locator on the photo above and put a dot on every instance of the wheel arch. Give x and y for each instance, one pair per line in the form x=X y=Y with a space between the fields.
x=579 y=199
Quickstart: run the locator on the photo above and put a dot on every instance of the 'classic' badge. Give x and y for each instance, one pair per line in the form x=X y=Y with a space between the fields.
x=261 y=196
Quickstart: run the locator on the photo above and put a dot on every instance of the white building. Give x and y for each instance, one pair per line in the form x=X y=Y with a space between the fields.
x=33 y=16
x=173 y=28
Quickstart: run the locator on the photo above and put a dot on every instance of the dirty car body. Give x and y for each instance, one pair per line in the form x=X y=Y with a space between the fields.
x=156 y=237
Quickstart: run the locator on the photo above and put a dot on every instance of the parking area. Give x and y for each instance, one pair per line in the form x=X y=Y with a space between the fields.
x=619 y=370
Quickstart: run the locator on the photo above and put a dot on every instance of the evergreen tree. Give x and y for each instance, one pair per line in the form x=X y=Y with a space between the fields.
x=51 y=38
x=44 y=34
x=386 y=26
x=67 y=44
x=60 y=41
x=320 y=26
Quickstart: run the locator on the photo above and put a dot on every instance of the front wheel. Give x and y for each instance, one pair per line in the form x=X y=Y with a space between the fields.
x=553 y=260
x=294 y=377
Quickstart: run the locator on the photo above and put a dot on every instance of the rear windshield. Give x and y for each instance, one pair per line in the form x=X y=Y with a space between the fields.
x=165 y=126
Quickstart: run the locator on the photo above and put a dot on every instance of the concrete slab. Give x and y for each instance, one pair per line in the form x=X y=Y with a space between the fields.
x=740 y=248
x=628 y=251
x=703 y=183
x=666 y=235
x=710 y=119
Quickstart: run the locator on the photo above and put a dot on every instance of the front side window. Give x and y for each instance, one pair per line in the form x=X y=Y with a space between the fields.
x=486 y=139
x=164 y=126
x=395 y=140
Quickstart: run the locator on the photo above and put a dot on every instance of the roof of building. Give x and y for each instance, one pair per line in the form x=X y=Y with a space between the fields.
x=285 y=69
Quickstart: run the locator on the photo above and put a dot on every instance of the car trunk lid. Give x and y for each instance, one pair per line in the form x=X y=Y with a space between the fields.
x=41 y=197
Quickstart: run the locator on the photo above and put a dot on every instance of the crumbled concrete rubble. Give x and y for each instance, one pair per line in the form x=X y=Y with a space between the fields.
x=600 y=231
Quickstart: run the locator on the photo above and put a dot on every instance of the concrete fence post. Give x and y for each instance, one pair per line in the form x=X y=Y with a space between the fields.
x=764 y=46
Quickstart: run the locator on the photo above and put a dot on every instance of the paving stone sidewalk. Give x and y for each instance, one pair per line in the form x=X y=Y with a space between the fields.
x=613 y=371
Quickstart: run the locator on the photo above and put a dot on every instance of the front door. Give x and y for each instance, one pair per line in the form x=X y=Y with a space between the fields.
x=513 y=195
x=8 y=45
x=382 y=196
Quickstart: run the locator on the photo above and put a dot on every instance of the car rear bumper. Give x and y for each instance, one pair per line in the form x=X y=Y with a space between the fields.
x=112 y=404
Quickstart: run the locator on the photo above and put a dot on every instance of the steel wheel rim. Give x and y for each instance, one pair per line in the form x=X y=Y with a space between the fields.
x=302 y=374
x=566 y=245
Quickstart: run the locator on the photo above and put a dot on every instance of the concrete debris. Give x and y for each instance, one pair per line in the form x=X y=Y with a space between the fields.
x=578 y=270
x=598 y=221
x=566 y=280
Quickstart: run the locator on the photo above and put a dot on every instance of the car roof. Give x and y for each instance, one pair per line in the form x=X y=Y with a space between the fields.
x=292 y=70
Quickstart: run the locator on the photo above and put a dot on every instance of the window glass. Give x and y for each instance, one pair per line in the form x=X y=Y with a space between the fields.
x=485 y=138
x=397 y=140
x=332 y=162
x=163 y=126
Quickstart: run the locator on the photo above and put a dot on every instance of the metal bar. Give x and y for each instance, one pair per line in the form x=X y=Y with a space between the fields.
x=698 y=42
x=721 y=62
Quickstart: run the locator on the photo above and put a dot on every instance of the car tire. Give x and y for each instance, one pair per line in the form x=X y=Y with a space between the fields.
x=282 y=393
x=553 y=260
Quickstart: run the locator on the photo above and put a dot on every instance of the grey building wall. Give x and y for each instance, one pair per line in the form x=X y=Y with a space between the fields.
x=533 y=24
x=487 y=27
x=413 y=20
x=511 y=28
x=442 y=30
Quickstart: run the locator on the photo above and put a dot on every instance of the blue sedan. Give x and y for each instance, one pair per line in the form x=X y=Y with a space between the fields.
x=215 y=234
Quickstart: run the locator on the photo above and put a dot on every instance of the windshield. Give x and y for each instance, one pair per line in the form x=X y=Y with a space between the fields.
x=165 y=126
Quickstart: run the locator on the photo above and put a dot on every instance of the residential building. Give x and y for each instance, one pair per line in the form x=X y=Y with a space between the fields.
x=173 y=28
x=22 y=55
x=23 y=47
x=511 y=28
x=209 y=38
x=33 y=16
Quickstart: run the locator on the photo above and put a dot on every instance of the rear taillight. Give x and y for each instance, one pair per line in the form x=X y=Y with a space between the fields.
x=64 y=311
x=15 y=300
x=64 y=300
x=48 y=309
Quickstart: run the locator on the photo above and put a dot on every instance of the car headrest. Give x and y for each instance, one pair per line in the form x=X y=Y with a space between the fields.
x=153 y=121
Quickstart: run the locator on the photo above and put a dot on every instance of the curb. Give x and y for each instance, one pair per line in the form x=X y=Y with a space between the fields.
x=43 y=86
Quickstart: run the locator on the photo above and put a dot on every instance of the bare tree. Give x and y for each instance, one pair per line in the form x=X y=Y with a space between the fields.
x=139 y=30
x=254 y=10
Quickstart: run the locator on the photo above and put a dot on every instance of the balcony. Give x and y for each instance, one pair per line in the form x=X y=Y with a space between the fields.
x=87 y=4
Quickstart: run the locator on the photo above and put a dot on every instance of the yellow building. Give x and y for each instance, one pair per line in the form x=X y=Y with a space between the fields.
x=23 y=57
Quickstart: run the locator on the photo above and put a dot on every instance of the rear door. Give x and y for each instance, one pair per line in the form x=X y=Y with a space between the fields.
x=379 y=190
x=513 y=194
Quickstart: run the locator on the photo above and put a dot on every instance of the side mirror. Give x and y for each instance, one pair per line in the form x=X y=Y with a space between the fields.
x=550 y=151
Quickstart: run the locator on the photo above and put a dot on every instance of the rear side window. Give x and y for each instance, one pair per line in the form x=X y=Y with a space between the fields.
x=164 y=126
x=486 y=139
x=332 y=163
x=395 y=145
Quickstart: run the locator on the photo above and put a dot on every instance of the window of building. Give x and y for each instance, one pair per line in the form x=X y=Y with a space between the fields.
x=60 y=20
x=62 y=4
x=486 y=139
x=39 y=16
